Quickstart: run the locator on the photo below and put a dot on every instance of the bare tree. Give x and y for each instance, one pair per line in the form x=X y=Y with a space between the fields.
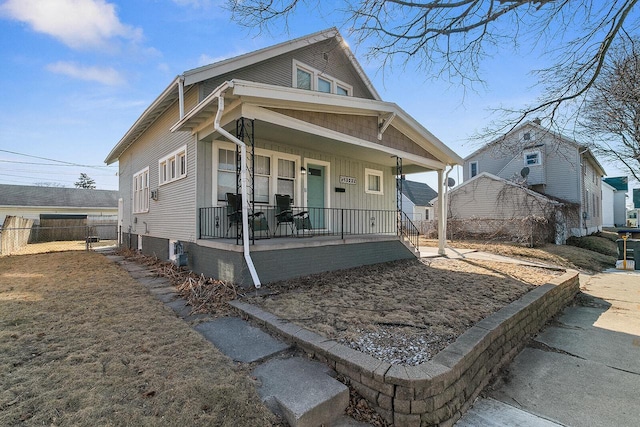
x=611 y=119
x=450 y=38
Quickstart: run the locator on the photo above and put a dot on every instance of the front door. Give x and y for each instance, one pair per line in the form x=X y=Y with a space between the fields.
x=315 y=195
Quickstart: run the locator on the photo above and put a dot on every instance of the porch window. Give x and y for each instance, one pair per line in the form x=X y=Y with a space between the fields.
x=141 y=191
x=261 y=177
x=227 y=175
x=286 y=177
x=373 y=181
x=173 y=166
x=226 y=172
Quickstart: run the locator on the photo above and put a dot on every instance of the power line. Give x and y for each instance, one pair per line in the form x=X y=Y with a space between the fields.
x=51 y=164
x=54 y=160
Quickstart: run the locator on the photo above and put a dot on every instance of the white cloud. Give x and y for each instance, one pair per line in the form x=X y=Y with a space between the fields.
x=77 y=23
x=197 y=4
x=106 y=76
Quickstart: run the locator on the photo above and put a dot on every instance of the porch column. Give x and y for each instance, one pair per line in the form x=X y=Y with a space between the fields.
x=442 y=218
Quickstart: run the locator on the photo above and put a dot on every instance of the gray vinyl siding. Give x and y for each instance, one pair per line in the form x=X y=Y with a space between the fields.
x=173 y=215
x=279 y=69
x=493 y=199
x=488 y=161
x=563 y=171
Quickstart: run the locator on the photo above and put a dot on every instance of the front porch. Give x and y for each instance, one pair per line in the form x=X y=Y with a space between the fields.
x=304 y=226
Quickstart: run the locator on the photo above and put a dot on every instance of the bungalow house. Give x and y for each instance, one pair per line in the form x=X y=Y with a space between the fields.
x=548 y=163
x=31 y=202
x=614 y=201
x=274 y=164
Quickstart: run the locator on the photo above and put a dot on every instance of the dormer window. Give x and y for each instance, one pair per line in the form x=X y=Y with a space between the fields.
x=306 y=77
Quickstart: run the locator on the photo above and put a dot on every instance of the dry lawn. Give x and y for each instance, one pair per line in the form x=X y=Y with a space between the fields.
x=402 y=312
x=61 y=246
x=81 y=343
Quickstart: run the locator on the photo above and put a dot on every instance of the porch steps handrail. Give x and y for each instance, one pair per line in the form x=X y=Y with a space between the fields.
x=409 y=231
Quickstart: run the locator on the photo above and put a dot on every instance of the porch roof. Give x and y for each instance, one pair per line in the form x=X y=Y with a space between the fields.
x=256 y=101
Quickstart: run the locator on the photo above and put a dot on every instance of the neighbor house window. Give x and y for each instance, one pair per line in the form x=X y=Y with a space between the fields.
x=532 y=158
x=306 y=77
x=373 y=181
x=473 y=169
x=141 y=191
x=173 y=166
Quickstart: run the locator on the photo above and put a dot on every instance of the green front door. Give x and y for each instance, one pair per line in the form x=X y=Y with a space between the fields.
x=315 y=195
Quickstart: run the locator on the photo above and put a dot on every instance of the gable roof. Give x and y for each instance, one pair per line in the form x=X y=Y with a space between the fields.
x=487 y=175
x=34 y=196
x=583 y=148
x=196 y=75
x=419 y=193
x=620 y=183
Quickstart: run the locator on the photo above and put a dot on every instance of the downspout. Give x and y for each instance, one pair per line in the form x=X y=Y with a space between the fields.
x=243 y=186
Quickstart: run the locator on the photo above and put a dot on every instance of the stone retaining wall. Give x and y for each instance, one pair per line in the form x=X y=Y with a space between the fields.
x=439 y=391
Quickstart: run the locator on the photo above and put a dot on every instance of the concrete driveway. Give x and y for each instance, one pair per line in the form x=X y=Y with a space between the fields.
x=582 y=370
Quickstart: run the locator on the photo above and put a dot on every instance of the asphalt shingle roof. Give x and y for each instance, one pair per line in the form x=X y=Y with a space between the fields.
x=419 y=193
x=26 y=195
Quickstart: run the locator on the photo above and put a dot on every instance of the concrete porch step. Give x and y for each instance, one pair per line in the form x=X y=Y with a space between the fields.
x=302 y=391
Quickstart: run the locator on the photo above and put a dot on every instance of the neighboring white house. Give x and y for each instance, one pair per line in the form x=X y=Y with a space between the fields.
x=489 y=206
x=416 y=200
x=548 y=163
x=298 y=119
x=32 y=201
x=614 y=200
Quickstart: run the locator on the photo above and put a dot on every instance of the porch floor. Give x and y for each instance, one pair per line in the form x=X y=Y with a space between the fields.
x=292 y=242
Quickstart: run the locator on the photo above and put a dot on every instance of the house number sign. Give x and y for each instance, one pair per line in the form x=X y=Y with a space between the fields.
x=347 y=180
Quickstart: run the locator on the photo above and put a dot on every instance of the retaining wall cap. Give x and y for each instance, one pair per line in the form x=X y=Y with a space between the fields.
x=448 y=357
x=469 y=340
x=397 y=374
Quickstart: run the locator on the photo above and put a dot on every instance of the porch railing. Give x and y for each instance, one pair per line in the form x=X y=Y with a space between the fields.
x=219 y=223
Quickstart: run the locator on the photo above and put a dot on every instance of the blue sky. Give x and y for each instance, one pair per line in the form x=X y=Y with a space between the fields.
x=77 y=73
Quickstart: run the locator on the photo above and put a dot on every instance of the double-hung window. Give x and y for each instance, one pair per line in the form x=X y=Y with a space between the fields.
x=227 y=175
x=226 y=172
x=373 y=181
x=286 y=177
x=173 y=166
x=141 y=191
x=473 y=169
x=306 y=77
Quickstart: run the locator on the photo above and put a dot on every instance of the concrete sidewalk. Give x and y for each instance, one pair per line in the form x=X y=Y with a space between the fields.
x=582 y=370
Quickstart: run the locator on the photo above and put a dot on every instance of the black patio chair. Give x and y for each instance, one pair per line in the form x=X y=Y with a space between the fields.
x=295 y=221
x=257 y=220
